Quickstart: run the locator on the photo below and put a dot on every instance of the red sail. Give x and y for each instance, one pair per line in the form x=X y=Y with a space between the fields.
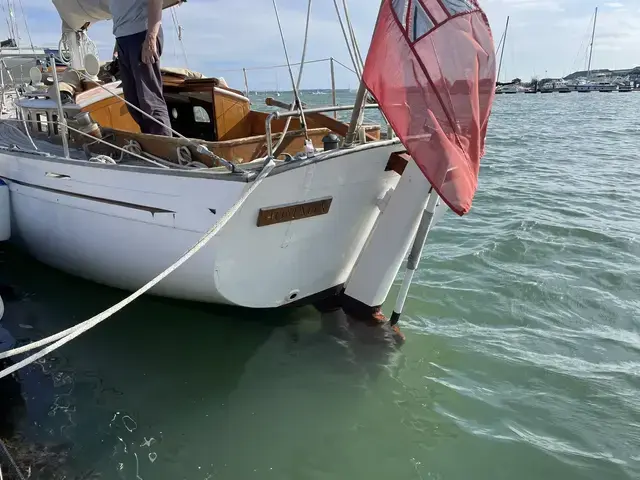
x=431 y=67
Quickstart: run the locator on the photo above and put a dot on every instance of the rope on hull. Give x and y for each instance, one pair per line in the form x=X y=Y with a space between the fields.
x=69 y=334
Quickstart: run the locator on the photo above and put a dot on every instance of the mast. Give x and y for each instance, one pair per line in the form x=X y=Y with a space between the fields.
x=504 y=41
x=15 y=34
x=593 y=35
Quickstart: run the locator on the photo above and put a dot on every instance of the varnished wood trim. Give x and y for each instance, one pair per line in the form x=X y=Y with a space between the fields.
x=293 y=211
x=325 y=121
x=397 y=162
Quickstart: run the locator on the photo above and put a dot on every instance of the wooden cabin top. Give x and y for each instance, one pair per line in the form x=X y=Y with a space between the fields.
x=199 y=108
x=190 y=102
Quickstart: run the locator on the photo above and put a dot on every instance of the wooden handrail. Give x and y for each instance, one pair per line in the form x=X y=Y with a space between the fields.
x=325 y=121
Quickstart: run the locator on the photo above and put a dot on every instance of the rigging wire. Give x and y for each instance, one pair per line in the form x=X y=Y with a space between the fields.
x=357 y=56
x=500 y=43
x=302 y=60
x=585 y=37
x=343 y=65
x=26 y=25
x=354 y=40
x=7 y=19
x=178 y=30
x=271 y=67
x=14 y=23
x=296 y=94
x=346 y=39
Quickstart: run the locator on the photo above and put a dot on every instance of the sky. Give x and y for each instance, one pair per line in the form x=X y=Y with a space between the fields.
x=220 y=37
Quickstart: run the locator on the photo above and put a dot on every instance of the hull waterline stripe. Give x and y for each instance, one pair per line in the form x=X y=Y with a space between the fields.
x=145 y=208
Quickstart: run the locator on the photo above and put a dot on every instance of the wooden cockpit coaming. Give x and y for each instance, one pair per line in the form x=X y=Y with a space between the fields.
x=199 y=109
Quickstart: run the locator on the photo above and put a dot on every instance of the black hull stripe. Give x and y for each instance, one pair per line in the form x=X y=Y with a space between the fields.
x=135 y=206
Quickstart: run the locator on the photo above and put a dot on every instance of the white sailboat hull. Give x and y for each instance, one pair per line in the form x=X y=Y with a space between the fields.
x=121 y=226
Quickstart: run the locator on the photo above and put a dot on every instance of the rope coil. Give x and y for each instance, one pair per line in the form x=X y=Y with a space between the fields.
x=133 y=148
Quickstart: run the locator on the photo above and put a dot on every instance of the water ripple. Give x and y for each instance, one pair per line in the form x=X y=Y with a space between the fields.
x=532 y=300
x=522 y=358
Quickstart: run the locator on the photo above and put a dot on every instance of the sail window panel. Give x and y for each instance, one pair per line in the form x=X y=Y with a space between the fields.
x=421 y=23
x=458 y=6
x=400 y=7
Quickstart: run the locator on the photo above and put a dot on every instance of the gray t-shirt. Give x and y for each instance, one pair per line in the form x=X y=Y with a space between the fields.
x=129 y=16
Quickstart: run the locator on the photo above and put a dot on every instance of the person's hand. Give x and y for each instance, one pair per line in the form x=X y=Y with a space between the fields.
x=150 y=50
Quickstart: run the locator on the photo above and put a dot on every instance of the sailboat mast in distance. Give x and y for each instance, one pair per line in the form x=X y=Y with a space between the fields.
x=504 y=41
x=593 y=35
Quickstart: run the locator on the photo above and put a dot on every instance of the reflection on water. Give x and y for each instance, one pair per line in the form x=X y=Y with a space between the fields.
x=166 y=386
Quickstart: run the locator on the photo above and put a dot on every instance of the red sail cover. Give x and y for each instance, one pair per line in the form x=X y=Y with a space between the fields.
x=431 y=67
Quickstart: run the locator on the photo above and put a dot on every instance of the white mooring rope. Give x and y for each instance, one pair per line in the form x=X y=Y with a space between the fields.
x=69 y=334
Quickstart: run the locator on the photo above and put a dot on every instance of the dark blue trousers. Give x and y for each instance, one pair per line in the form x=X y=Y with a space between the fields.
x=142 y=84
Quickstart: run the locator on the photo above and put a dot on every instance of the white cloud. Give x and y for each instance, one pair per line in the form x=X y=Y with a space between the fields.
x=555 y=43
x=545 y=36
x=219 y=35
x=542 y=5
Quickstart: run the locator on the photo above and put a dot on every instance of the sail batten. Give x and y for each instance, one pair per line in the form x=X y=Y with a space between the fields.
x=432 y=68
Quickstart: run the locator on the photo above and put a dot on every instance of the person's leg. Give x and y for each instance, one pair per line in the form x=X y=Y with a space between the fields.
x=125 y=45
x=149 y=85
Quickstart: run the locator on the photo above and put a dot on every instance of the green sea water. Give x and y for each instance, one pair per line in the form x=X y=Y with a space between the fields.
x=522 y=358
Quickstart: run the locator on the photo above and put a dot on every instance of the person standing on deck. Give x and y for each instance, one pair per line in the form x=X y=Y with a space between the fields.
x=137 y=26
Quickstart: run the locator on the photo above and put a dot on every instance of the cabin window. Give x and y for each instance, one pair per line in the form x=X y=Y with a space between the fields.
x=42 y=122
x=200 y=115
x=192 y=119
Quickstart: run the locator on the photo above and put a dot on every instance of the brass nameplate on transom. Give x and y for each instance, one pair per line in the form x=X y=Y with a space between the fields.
x=293 y=211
